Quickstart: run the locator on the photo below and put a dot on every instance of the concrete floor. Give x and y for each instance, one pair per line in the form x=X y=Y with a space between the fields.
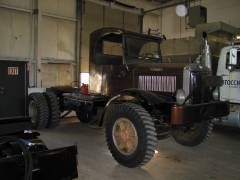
x=216 y=159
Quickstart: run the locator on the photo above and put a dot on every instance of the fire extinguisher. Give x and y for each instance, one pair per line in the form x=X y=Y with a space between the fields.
x=84 y=89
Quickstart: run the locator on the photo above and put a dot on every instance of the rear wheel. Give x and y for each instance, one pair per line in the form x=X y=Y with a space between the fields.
x=54 y=109
x=83 y=115
x=195 y=134
x=131 y=135
x=38 y=110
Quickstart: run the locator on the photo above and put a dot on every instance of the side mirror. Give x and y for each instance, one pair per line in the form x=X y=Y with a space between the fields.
x=232 y=59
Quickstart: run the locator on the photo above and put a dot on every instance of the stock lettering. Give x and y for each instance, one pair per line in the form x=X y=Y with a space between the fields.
x=231 y=82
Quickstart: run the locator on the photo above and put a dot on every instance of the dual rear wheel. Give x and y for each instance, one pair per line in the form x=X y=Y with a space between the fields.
x=44 y=110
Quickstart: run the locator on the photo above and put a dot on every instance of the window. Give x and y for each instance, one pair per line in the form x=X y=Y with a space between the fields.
x=112 y=48
x=228 y=60
x=142 y=50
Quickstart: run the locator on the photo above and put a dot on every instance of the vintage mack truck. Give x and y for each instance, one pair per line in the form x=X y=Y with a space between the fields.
x=137 y=97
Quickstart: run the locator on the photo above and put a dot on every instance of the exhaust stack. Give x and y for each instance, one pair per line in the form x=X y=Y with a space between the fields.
x=206 y=53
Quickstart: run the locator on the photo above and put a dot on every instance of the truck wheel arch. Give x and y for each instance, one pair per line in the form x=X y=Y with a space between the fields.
x=146 y=99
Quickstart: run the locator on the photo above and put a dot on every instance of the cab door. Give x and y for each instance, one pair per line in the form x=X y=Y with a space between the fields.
x=230 y=89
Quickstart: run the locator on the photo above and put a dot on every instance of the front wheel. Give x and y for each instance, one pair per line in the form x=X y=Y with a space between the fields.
x=195 y=134
x=130 y=135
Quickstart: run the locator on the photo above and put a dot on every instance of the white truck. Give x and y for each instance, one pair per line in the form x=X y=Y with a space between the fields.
x=230 y=88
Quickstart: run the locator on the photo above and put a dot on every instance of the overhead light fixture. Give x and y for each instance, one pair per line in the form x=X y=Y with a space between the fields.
x=181 y=10
x=238 y=37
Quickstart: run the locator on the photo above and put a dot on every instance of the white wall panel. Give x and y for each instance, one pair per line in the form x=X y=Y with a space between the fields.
x=58 y=42
x=152 y=21
x=92 y=22
x=57 y=75
x=58 y=39
x=131 y=19
x=6 y=36
x=25 y=4
x=131 y=22
x=15 y=34
x=113 y=18
x=86 y=36
x=170 y=23
x=66 y=8
x=66 y=40
x=49 y=38
x=21 y=34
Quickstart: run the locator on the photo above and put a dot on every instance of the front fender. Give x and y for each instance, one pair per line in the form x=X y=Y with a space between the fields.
x=149 y=97
x=146 y=99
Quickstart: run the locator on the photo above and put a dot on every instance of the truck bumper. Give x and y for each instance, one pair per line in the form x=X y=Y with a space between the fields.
x=189 y=114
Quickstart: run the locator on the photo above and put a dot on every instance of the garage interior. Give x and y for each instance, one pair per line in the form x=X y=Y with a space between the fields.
x=51 y=40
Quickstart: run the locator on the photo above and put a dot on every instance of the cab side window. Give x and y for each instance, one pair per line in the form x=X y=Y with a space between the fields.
x=228 y=60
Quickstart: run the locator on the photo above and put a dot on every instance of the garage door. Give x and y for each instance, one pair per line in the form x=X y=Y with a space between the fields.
x=43 y=33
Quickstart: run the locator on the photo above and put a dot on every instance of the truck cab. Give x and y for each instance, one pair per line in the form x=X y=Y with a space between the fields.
x=231 y=75
x=230 y=88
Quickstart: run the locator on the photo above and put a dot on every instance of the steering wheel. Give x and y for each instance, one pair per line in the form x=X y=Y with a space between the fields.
x=145 y=55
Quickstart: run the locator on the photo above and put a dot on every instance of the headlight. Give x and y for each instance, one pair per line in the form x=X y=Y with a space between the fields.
x=215 y=94
x=180 y=96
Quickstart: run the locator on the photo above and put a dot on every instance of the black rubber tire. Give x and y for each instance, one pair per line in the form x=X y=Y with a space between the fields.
x=195 y=135
x=134 y=116
x=54 y=109
x=38 y=110
x=83 y=115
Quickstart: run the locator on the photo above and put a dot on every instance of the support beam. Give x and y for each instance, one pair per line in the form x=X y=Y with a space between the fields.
x=38 y=44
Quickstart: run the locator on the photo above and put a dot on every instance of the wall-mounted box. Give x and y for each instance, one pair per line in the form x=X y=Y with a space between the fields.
x=197 y=15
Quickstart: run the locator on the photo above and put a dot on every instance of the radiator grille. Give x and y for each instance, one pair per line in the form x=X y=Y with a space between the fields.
x=157 y=83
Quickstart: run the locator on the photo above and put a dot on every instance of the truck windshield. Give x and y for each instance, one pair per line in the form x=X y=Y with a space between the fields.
x=142 y=50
